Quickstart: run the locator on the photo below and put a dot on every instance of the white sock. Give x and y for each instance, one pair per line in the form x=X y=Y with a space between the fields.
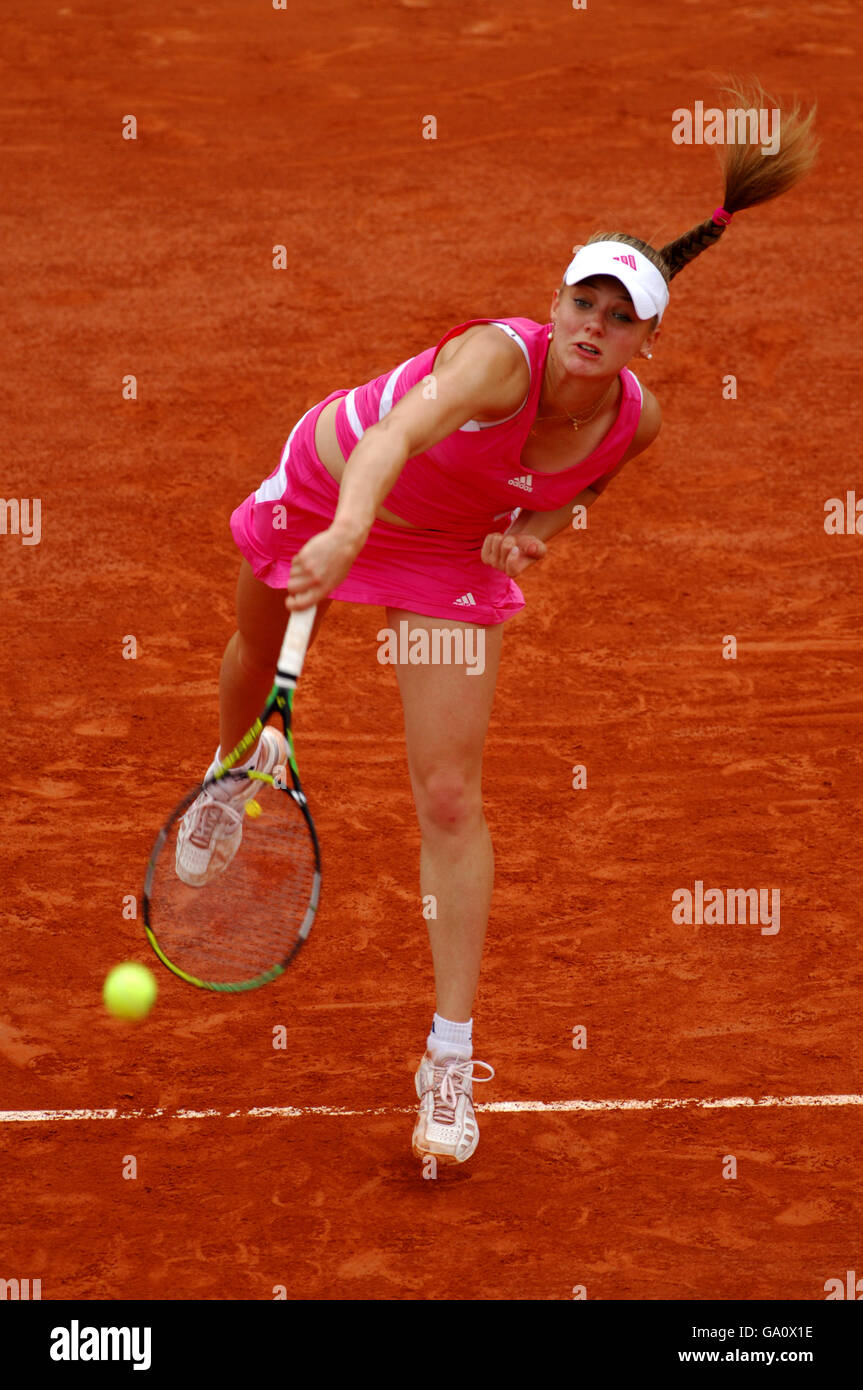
x=449 y=1039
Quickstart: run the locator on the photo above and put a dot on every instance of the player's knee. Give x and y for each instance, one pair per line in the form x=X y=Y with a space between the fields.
x=255 y=658
x=448 y=801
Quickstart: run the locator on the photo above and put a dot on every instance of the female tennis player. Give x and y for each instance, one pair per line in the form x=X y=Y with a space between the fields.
x=430 y=490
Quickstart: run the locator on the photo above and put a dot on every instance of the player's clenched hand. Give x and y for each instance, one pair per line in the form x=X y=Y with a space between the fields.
x=512 y=554
x=322 y=563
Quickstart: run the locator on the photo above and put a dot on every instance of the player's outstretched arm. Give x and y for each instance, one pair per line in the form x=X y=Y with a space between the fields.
x=486 y=374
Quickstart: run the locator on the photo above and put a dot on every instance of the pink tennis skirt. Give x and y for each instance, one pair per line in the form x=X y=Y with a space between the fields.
x=438 y=574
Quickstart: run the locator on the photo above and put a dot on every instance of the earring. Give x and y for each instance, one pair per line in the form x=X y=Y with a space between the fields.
x=647 y=354
x=551 y=330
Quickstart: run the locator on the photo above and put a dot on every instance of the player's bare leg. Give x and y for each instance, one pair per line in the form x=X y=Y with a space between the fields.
x=446 y=718
x=249 y=662
x=446 y=714
x=210 y=833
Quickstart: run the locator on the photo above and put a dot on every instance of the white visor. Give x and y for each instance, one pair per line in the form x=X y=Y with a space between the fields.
x=646 y=285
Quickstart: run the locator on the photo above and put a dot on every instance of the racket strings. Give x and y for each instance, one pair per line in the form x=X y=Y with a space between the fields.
x=235 y=885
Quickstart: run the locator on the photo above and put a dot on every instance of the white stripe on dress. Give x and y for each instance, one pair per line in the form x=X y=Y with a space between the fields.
x=275 y=486
x=386 y=401
x=386 y=404
x=353 y=417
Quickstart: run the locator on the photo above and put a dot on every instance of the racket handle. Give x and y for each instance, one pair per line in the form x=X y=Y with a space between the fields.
x=294 y=646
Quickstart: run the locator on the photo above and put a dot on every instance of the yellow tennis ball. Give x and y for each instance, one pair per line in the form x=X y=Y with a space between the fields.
x=129 y=990
x=253 y=808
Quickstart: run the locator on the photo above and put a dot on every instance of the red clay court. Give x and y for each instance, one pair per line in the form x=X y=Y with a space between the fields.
x=599 y=1167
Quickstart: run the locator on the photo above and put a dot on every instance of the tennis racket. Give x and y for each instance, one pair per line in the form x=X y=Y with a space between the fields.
x=234 y=877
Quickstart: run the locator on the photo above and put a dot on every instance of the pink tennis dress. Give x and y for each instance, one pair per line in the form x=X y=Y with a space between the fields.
x=454 y=494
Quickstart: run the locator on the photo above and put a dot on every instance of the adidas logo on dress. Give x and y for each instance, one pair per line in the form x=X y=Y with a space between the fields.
x=525 y=482
x=466 y=600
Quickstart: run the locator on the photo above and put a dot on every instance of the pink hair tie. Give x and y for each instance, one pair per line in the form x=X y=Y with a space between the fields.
x=722 y=217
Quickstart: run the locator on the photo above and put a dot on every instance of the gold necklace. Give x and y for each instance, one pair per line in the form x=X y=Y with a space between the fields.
x=574 y=418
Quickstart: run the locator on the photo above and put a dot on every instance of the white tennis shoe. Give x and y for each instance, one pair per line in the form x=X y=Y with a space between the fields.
x=211 y=831
x=446 y=1126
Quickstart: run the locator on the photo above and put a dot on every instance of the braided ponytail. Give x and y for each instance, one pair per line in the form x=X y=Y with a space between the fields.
x=750 y=177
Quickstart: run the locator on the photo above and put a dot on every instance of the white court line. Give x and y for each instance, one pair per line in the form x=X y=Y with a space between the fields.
x=501 y=1107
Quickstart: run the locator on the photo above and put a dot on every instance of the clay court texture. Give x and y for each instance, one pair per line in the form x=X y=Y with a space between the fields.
x=604 y=1159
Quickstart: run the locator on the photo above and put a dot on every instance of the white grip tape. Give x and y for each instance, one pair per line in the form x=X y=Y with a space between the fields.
x=296 y=641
